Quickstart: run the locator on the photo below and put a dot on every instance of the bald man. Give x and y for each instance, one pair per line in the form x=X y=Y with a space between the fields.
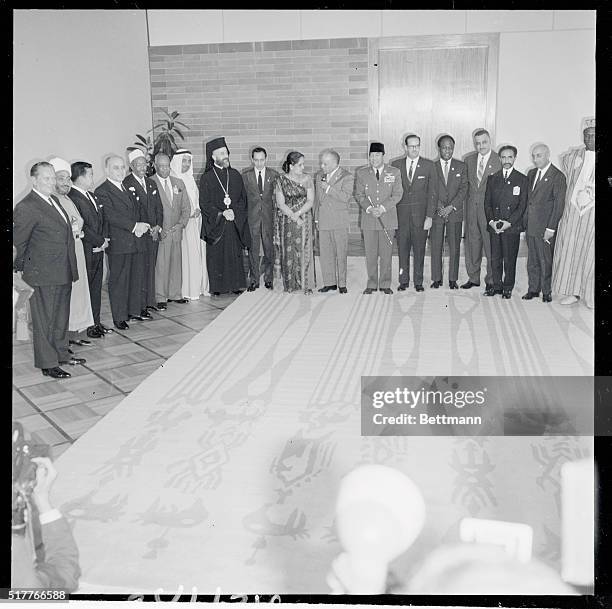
x=123 y=228
x=545 y=203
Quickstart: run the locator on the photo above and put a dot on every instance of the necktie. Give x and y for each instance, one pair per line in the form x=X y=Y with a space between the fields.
x=537 y=178
x=259 y=183
x=505 y=175
x=93 y=201
x=446 y=172
x=411 y=174
x=144 y=185
x=377 y=174
x=57 y=209
x=168 y=191
x=480 y=169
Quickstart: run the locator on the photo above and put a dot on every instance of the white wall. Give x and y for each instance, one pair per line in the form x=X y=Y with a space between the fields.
x=81 y=86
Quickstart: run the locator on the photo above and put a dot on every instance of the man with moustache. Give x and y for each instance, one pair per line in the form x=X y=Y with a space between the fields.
x=477 y=240
x=505 y=204
x=145 y=197
x=225 y=226
x=415 y=211
x=46 y=259
x=176 y=212
x=378 y=188
x=334 y=191
x=545 y=202
x=95 y=241
x=259 y=183
x=448 y=218
x=124 y=227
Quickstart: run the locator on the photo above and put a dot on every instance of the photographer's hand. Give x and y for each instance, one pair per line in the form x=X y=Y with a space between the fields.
x=45 y=476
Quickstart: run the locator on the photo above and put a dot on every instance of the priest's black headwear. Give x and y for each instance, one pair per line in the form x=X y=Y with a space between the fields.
x=218 y=142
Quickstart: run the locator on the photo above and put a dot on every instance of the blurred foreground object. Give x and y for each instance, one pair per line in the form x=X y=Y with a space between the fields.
x=514 y=537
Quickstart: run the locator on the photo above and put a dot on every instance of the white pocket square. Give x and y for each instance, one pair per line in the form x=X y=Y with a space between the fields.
x=420 y=177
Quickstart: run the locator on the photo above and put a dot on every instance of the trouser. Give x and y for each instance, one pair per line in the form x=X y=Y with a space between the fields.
x=169 y=271
x=378 y=252
x=50 y=310
x=539 y=264
x=436 y=236
x=333 y=250
x=411 y=236
x=504 y=250
x=261 y=240
x=149 y=273
x=95 y=270
x=136 y=297
x=477 y=239
x=119 y=271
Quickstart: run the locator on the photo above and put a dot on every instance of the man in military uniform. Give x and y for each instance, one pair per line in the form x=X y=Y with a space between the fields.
x=378 y=190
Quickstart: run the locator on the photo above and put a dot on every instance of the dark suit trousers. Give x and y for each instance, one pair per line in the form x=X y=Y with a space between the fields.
x=261 y=239
x=136 y=297
x=410 y=237
x=119 y=267
x=477 y=240
x=50 y=309
x=95 y=269
x=436 y=235
x=504 y=250
x=149 y=272
x=539 y=264
x=378 y=253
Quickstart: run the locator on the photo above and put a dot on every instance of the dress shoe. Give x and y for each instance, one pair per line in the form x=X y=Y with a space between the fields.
x=530 y=295
x=152 y=308
x=268 y=285
x=238 y=292
x=121 y=325
x=95 y=332
x=74 y=361
x=546 y=297
x=386 y=290
x=144 y=313
x=507 y=294
x=369 y=290
x=161 y=306
x=453 y=285
x=252 y=287
x=470 y=284
x=402 y=286
x=328 y=288
x=135 y=318
x=179 y=301
x=56 y=373
x=102 y=328
x=491 y=291
x=214 y=295
x=419 y=288
x=436 y=284
x=342 y=290
x=71 y=351
x=80 y=342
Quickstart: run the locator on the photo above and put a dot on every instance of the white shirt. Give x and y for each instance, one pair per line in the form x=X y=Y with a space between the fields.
x=119 y=185
x=86 y=195
x=51 y=202
x=328 y=178
x=443 y=163
x=409 y=162
x=257 y=172
x=163 y=183
x=485 y=159
x=506 y=172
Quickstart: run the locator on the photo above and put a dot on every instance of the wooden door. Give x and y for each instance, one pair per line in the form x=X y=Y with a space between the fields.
x=429 y=86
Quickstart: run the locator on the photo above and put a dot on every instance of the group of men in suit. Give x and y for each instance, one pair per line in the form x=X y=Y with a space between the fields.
x=135 y=219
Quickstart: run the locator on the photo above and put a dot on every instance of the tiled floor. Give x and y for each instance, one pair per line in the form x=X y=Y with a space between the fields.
x=57 y=412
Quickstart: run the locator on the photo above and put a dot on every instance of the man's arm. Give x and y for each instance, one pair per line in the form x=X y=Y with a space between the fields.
x=516 y=217
x=113 y=215
x=91 y=236
x=23 y=225
x=458 y=201
x=432 y=191
x=397 y=192
x=342 y=189
x=185 y=208
x=558 y=193
x=488 y=202
x=360 y=195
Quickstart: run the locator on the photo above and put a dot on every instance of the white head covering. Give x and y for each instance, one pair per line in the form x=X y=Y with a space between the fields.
x=134 y=154
x=588 y=122
x=176 y=169
x=60 y=165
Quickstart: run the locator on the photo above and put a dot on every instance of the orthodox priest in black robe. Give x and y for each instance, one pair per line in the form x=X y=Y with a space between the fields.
x=225 y=226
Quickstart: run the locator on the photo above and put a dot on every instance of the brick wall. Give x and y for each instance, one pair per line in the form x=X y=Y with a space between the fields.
x=303 y=95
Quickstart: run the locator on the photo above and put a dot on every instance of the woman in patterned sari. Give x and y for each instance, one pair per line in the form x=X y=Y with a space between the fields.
x=293 y=230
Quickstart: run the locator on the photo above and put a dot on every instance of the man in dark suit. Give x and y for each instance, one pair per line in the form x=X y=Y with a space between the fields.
x=95 y=241
x=42 y=236
x=123 y=228
x=414 y=211
x=146 y=199
x=479 y=167
x=505 y=205
x=259 y=183
x=545 y=204
x=452 y=190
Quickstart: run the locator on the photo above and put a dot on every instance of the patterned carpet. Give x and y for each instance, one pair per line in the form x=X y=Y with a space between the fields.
x=220 y=469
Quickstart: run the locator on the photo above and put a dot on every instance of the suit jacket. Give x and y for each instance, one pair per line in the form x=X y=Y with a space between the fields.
x=420 y=196
x=44 y=243
x=476 y=192
x=148 y=204
x=506 y=199
x=177 y=211
x=94 y=226
x=545 y=204
x=120 y=216
x=261 y=209
x=453 y=192
x=386 y=191
x=331 y=205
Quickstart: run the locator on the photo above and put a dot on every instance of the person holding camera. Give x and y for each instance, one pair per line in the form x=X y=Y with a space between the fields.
x=54 y=563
